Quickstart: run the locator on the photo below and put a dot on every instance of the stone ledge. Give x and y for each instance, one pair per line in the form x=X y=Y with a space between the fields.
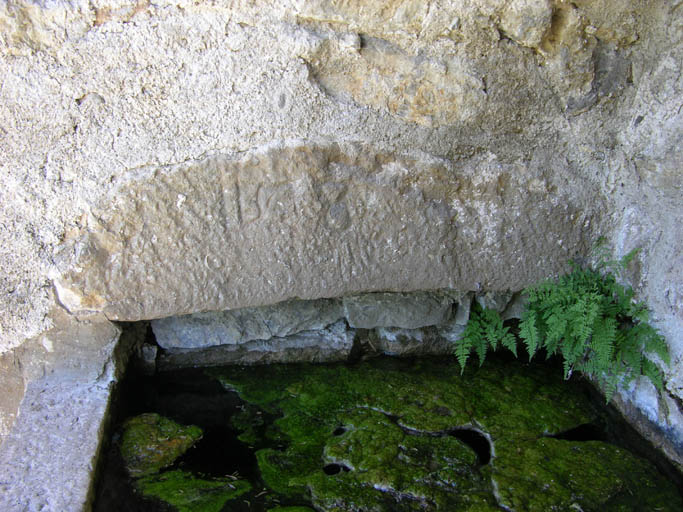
x=48 y=460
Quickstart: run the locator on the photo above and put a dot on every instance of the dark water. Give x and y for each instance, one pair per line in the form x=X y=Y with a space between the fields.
x=192 y=397
x=187 y=397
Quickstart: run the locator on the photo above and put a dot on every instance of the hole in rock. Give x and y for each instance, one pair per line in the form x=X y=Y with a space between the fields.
x=335 y=469
x=339 y=431
x=475 y=440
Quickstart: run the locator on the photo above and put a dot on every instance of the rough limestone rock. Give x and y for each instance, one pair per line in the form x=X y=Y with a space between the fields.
x=47 y=460
x=309 y=219
x=239 y=326
x=496 y=301
x=527 y=21
x=333 y=343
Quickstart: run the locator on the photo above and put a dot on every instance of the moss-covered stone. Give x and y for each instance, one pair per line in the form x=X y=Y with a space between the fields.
x=151 y=442
x=374 y=437
x=418 y=471
x=550 y=474
x=188 y=493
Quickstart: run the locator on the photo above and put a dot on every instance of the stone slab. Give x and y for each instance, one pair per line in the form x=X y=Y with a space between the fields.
x=333 y=343
x=411 y=342
x=404 y=310
x=246 y=324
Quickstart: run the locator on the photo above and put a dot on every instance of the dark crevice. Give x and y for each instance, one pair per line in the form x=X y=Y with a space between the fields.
x=335 y=469
x=357 y=351
x=219 y=453
x=476 y=441
x=472 y=437
x=339 y=431
x=585 y=432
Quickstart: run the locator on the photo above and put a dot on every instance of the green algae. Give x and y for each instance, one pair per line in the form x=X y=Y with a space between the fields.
x=416 y=470
x=151 y=442
x=551 y=474
x=187 y=493
x=381 y=429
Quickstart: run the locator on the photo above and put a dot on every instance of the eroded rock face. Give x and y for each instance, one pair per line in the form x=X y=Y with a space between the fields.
x=313 y=220
x=455 y=80
x=408 y=311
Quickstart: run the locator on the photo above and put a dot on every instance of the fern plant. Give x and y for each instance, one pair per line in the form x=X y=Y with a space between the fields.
x=483 y=330
x=588 y=318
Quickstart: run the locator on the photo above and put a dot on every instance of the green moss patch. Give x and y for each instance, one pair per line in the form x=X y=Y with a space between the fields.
x=375 y=437
x=188 y=493
x=549 y=474
x=151 y=442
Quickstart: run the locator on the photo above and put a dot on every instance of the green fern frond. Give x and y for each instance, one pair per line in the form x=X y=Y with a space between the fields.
x=588 y=317
x=651 y=371
x=557 y=323
x=529 y=332
x=609 y=385
x=654 y=342
x=602 y=342
x=509 y=342
x=463 y=346
x=481 y=347
x=493 y=327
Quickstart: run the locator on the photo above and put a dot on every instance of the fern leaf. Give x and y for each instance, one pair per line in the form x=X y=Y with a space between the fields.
x=557 y=327
x=481 y=347
x=610 y=384
x=654 y=342
x=463 y=347
x=651 y=371
x=510 y=343
x=529 y=332
x=602 y=342
x=588 y=317
x=493 y=327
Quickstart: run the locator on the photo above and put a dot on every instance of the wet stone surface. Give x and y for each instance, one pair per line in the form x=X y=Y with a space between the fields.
x=151 y=442
x=382 y=435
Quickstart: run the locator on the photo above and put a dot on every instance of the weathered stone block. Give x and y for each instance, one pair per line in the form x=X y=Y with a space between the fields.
x=497 y=301
x=407 y=311
x=333 y=343
x=246 y=324
x=310 y=220
x=411 y=342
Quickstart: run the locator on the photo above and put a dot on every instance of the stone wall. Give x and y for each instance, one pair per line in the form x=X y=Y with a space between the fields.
x=170 y=158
